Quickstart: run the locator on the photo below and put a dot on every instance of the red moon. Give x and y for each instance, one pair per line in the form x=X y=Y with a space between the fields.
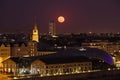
x=61 y=19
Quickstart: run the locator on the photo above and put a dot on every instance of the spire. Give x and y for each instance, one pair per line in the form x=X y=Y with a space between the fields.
x=35 y=24
x=35 y=34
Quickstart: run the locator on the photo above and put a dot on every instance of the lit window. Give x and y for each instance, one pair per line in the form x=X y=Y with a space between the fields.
x=119 y=51
x=18 y=49
x=91 y=44
x=114 y=50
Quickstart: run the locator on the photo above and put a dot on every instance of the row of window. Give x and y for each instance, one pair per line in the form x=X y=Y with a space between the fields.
x=69 y=65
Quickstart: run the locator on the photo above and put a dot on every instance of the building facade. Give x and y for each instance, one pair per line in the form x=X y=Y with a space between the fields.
x=110 y=47
x=19 y=50
x=113 y=48
x=52 y=28
x=28 y=50
x=9 y=66
x=50 y=67
x=5 y=51
x=35 y=34
x=41 y=67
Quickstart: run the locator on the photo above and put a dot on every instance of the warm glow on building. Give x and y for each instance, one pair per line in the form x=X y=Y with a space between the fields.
x=4 y=54
x=1 y=65
x=35 y=35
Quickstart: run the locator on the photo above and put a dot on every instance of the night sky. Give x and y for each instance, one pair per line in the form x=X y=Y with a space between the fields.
x=80 y=15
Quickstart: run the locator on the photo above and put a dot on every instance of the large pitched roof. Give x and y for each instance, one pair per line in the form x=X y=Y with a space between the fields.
x=62 y=60
x=74 y=55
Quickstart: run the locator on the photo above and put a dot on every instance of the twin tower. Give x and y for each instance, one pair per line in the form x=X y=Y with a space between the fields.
x=52 y=31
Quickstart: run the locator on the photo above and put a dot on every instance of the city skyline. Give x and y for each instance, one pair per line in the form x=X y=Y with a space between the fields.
x=80 y=15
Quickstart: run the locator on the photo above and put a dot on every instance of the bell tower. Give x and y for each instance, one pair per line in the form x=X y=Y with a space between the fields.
x=35 y=35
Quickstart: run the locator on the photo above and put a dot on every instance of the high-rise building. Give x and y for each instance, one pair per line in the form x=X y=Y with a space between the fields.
x=35 y=35
x=52 y=28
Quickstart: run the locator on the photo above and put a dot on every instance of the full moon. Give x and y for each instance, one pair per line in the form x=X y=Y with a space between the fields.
x=61 y=19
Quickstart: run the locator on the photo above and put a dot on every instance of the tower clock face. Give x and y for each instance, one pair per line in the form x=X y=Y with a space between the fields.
x=35 y=32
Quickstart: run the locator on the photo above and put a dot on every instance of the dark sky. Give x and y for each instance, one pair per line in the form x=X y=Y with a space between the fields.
x=80 y=15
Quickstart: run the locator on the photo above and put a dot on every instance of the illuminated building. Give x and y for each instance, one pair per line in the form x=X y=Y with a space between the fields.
x=35 y=34
x=57 y=66
x=24 y=49
x=68 y=61
x=32 y=48
x=117 y=64
x=49 y=66
x=28 y=49
x=4 y=53
x=10 y=66
x=19 y=50
x=15 y=65
x=110 y=47
x=113 y=48
x=52 y=28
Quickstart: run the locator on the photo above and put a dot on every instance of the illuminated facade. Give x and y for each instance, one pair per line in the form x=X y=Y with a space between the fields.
x=19 y=50
x=47 y=68
x=67 y=61
x=4 y=53
x=52 y=28
x=9 y=66
x=110 y=47
x=113 y=48
x=27 y=49
x=117 y=64
x=35 y=34
x=32 y=48
x=24 y=50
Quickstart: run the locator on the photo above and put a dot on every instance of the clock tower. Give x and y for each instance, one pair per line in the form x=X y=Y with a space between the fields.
x=35 y=35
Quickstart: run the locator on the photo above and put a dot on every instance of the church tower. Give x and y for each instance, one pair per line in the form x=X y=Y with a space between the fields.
x=35 y=35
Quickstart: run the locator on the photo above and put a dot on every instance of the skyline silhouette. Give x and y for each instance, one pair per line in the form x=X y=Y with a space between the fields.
x=80 y=15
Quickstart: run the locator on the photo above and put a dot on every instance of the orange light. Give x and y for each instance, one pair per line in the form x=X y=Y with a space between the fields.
x=61 y=19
